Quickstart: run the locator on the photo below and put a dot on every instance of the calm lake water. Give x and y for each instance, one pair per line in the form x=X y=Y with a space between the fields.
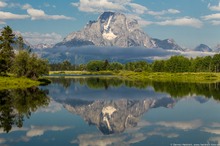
x=108 y=111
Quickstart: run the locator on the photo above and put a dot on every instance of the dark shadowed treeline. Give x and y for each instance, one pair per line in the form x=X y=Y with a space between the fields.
x=176 y=64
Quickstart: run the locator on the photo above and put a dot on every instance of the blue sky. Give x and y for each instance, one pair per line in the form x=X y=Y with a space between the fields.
x=189 y=22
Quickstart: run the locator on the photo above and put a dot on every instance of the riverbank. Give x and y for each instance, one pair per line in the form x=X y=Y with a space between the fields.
x=201 y=77
x=13 y=83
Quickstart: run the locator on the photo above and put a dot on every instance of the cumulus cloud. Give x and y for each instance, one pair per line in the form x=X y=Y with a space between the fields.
x=38 y=38
x=37 y=14
x=98 y=140
x=9 y=15
x=139 y=9
x=182 y=125
x=3 y=4
x=122 y=5
x=211 y=16
x=142 y=22
x=169 y=11
x=215 y=22
x=212 y=131
x=53 y=107
x=214 y=8
x=99 y=5
x=38 y=130
x=185 y=21
x=26 y=6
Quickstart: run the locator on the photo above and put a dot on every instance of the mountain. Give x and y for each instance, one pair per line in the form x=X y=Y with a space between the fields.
x=217 y=48
x=203 y=48
x=111 y=29
x=43 y=46
x=167 y=44
x=114 y=116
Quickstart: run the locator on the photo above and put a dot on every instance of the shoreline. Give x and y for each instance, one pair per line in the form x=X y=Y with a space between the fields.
x=193 y=77
x=17 y=83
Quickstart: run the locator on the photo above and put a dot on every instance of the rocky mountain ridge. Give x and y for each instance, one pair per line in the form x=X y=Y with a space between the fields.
x=114 y=116
x=115 y=29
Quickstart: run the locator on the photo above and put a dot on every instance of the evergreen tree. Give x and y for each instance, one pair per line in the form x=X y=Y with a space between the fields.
x=6 y=50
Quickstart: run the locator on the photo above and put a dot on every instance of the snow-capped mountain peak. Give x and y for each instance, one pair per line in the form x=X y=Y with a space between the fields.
x=110 y=29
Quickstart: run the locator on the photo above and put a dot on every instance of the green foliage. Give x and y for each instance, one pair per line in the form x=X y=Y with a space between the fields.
x=29 y=65
x=66 y=66
x=115 y=66
x=158 y=66
x=6 y=49
x=138 y=66
x=96 y=65
x=216 y=63
x=177 y=64
x=23 y=101
x=14 y=83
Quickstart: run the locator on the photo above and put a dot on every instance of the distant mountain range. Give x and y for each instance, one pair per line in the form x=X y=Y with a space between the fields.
x=109 y=30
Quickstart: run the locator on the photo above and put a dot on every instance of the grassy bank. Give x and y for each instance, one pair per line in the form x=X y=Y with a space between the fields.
x=177 y=77
x=13 y=83
x=130 y=75
x=81 y=73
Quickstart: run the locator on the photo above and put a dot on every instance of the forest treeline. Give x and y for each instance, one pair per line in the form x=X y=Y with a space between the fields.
x=176 y=64
x=20 y=62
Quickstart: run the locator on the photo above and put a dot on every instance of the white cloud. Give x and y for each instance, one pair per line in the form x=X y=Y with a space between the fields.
x=3 y=4
x=115 y=5
x=185 y=21
x=169 y=11
x=214 y=8
x=53 y=107
x=26 y=6
x=40 y=14
x=9 y=15
x=193 y=54
x=38 y=131
x=211 y=16
x=215 y=22
x=38 y=38
x=212 y=131
x=182 y=125
x=139 y=9
x=99 y=5
x=140 y=20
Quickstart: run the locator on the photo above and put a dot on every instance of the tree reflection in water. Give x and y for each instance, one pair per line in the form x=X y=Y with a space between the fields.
x=175 y=89
x=17 y=104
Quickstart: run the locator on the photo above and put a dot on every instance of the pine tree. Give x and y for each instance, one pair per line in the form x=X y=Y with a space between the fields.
x=6 y=50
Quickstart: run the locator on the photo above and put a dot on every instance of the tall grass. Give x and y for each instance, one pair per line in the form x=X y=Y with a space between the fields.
x=13 y=82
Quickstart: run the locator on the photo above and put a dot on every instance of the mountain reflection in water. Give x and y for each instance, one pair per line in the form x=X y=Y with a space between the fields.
x=117 y=112
x=110 y=111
